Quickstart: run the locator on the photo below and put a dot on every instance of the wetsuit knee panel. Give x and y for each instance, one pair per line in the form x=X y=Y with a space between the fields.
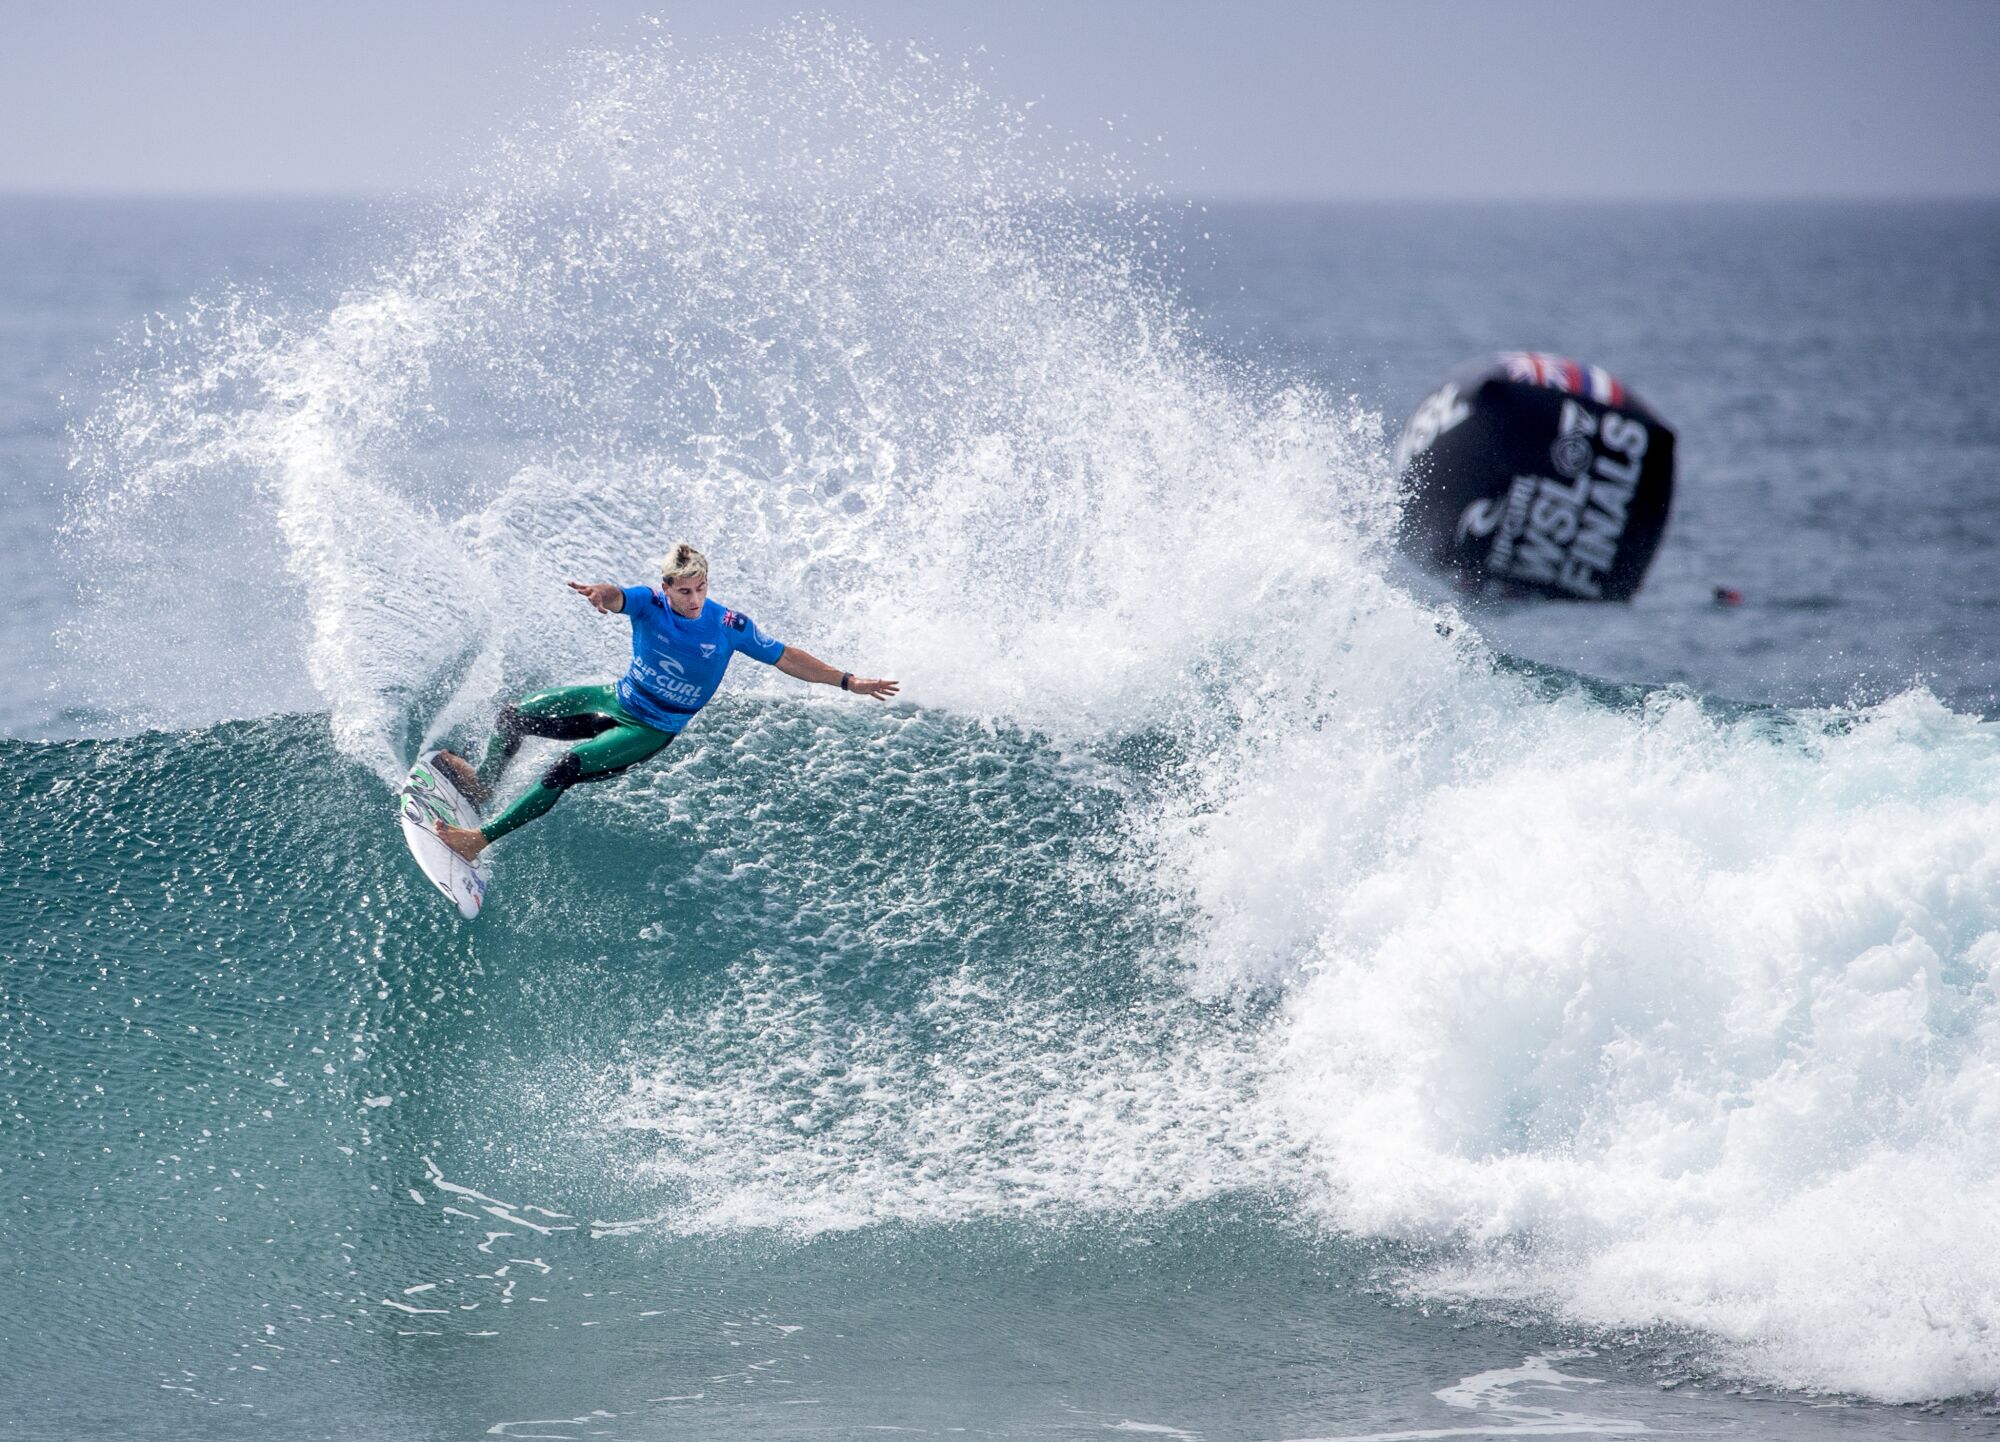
x=565 y=773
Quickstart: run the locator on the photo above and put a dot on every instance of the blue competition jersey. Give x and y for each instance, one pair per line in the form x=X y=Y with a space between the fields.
x=678 y=663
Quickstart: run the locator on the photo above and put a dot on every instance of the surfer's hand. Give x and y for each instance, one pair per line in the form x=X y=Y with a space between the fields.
x=868 y=686
x=606 y=597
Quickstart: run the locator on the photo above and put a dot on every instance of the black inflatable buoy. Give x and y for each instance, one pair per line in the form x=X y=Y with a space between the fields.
x=1532 y=474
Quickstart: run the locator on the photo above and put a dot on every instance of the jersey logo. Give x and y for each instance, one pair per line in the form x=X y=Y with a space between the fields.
x=707 y=649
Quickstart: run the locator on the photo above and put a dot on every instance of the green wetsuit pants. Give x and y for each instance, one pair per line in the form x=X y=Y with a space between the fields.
x=609 y=739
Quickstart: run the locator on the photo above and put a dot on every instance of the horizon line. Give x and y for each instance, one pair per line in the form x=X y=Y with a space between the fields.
x=1174 y=196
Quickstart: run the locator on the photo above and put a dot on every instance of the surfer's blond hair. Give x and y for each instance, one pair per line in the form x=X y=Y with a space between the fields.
x=683 y=560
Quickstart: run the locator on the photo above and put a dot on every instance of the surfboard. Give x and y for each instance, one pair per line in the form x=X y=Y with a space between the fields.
x=428 y=796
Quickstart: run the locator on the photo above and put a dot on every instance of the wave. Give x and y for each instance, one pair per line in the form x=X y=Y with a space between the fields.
x=1205 y=861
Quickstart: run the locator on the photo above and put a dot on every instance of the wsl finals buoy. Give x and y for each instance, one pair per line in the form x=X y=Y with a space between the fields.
x=1530 y=474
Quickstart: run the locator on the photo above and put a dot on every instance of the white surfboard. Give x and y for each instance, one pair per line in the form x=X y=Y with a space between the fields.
x=428 y=796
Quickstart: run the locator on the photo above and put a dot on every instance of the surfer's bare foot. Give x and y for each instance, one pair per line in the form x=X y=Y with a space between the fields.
x=462 y=839
x=464 y=777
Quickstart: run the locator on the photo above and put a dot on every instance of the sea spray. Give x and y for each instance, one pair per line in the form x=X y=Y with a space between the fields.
x=911 y=378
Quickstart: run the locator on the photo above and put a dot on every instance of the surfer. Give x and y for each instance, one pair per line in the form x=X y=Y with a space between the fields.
x=681 y=644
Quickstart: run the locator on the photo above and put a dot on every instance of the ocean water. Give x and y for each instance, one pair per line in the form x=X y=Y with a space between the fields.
x=1240 y=991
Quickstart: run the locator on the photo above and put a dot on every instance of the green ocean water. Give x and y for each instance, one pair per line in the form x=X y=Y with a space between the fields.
x=801 y=1118
x=291 y=1148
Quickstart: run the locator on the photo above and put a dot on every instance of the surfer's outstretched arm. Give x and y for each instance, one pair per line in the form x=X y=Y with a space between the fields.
x=808 y=667
x=608 y=599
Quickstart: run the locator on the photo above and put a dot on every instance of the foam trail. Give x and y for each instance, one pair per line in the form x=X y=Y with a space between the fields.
x=1502 y=1394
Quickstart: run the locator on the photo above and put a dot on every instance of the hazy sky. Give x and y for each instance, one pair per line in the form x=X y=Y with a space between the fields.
x=1369 y=98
